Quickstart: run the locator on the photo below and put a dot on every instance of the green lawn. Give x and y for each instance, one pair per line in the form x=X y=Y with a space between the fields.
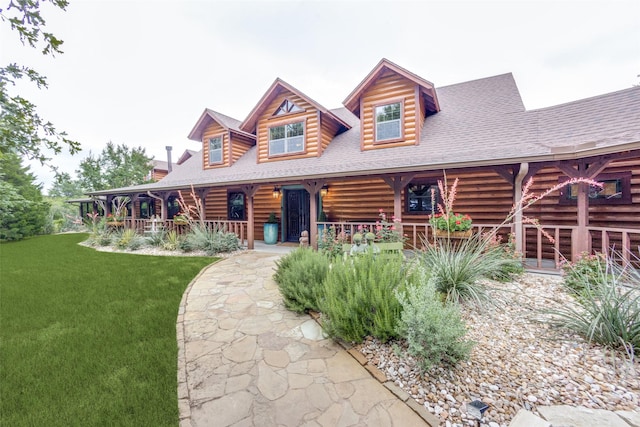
x=88 y=338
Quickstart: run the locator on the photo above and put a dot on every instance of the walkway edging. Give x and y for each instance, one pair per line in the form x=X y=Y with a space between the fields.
x=184 y=398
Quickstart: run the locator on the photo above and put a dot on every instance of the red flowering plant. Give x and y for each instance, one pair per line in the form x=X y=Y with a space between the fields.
x=387 y=231
x=447 y=219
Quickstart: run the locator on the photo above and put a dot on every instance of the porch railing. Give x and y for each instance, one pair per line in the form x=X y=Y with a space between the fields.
x=239 y=228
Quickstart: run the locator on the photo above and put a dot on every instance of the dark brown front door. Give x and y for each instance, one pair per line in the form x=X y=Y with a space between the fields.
x=297 y=214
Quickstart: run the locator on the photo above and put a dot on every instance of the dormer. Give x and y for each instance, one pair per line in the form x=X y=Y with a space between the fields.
x=392 y=104
x=222 y=140
x=290 y=125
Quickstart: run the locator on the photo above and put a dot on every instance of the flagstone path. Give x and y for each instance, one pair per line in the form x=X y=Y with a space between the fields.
x=244 y=360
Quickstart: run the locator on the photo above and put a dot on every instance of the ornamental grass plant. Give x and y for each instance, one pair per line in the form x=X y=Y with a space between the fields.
x=607 y=309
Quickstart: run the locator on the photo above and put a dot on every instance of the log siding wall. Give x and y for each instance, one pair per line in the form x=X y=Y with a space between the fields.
x=267 y=120
x=389 y=88
x=211 y=131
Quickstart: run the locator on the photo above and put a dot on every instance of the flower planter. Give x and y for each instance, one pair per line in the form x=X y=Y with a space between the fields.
x=271 y=233
x=444 y=234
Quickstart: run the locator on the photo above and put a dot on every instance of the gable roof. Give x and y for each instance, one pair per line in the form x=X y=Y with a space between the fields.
x=186 y=155
x=482 y=123
x=352 y=102
x=207 y=117
x=249 y=124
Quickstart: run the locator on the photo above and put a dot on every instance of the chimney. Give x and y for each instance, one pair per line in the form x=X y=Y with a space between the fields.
x=168 y=148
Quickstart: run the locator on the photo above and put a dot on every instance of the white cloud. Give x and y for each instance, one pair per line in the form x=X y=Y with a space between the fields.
x=141 y=72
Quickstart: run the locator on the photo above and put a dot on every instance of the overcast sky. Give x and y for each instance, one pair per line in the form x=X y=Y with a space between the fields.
x=141 y=72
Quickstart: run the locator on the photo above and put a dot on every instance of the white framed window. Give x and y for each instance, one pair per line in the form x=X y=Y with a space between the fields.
x=215 y=150
x=388 y=122
x=286 y=139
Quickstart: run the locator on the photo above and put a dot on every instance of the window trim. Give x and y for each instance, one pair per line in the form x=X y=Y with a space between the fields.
x=428 y=182
x=244 y=205
x=284 y=123
x=276 y=116
x=221 y=161
x=375 y=121
x=625 y=182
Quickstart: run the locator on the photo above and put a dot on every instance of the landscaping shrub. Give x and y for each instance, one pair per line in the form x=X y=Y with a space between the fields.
x=359 y=298
x=330 y=242
x=127 y=239
x=299 y=275
x=156 y=238
x=434 y=330
x=172 y=241
x=213 y=241
x=457 y=266
x=607 y=310
x=587 y=270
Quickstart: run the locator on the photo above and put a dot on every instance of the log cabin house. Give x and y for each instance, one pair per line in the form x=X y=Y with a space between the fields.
x=394 y=138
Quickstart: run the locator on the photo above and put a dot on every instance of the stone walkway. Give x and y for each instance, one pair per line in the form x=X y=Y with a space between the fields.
x=244 y=360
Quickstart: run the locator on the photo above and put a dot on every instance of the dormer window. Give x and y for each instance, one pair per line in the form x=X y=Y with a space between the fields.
x=286 y=139
x=388 y=122
x=287 y=107
x=215 y=150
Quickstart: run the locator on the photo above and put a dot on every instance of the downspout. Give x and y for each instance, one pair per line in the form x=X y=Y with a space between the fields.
x=150 y=194
x=517 y=196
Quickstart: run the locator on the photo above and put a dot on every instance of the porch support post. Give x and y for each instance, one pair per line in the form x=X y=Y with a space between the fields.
x=202 y=194
x=165 y=205
x=107 y=205
x=313 y=187
x=580 y=238
x=397 y=184
x=134 y=199
x=250 y=190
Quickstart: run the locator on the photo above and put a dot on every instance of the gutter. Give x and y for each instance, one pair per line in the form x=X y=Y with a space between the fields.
x=517 y=196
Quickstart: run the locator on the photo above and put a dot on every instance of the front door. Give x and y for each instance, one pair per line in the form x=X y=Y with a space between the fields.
x=297 y=214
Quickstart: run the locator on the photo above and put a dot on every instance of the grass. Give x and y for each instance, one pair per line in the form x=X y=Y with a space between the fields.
x=88 y=338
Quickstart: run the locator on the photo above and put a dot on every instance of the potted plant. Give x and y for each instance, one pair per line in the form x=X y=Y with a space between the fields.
x=455 y=225
x=271 y=229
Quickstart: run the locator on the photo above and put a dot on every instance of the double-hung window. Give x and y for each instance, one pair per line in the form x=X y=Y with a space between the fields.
x=286 y=139
x=215 y=150
x=388 y=122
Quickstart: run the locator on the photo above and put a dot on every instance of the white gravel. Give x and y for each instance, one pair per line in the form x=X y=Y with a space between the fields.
x=518 y=362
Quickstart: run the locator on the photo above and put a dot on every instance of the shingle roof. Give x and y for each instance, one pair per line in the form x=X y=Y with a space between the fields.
x=207 y=116
x=481 y=122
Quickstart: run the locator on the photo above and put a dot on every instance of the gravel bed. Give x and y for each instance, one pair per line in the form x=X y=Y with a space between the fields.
x=517 y=362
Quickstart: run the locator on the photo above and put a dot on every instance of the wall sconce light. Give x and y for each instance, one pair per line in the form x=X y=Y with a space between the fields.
x=324 y=190
x=276 y=192
x=477 y=409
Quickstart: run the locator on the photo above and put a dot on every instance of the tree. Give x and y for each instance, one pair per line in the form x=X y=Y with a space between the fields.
x=65 y=187
x=117 y=166
x=22 y=130
x=23 y=211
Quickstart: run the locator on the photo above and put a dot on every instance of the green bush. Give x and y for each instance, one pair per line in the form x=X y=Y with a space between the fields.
x=172 y=241
x=127 y=239
x=156 y=238
x=299 y=275
x=457 y=266
x=330 y=242
x=359 y=298
x=434 y=330
x=213 y=241
x=607 y=310
x=587 y=271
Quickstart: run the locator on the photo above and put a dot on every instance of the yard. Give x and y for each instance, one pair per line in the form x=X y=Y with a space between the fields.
x=87 y=337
